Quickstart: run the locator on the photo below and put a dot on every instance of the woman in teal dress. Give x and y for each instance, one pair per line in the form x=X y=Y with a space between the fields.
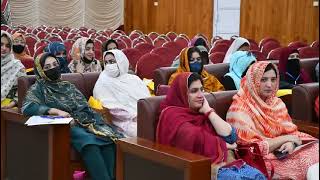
x=90 y=135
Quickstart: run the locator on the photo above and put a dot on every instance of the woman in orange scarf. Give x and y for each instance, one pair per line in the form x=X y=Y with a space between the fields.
x=260 y=117
x=190 y=61
x=19 y=50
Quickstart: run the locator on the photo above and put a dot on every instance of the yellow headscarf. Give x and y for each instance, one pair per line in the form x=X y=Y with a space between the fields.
x=210 y=82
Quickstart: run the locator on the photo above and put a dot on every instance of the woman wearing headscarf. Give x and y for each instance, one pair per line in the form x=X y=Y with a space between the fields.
x=90 y=136
x=291 y=72
x=239 y=44
x=82 y=54
x=119 y=91
x=203 y=53
x=59 y=51
x=11 y=70
x=189 y=123
x=259 y=116
x=199 y=40
x=239 y=64
x=191 y=61
x=109 y=45
x=19 y=50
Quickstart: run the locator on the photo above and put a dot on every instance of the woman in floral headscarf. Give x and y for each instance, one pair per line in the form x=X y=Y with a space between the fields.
x=11 y=70
x=83 y=60
x=261 y=117
x=191 y=61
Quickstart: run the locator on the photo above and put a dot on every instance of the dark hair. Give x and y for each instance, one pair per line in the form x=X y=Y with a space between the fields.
x=106 y=44
x=244 y=44
x=107 y=54
x=8 y=38
x=192 y=50
x=194 y=77
x=270 y=66
x=89 y=41
x=205 y=57
x=200 y=42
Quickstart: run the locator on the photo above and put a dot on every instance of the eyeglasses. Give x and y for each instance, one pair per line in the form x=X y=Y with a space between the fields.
x=194 y=60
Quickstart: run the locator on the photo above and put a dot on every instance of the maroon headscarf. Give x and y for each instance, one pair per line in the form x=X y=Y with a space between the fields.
x=284 y=69
x=181 y=127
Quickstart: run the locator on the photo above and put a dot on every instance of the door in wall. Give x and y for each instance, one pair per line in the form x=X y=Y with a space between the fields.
x=226 y=18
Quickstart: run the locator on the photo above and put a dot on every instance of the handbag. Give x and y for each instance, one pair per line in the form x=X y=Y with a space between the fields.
x=251 y=154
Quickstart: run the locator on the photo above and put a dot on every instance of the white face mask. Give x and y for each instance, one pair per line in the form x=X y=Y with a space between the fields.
x=112 y=70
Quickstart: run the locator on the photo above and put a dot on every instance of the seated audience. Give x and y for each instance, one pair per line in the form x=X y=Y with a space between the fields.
x=189 y=123
x=203 y=53
x=259 y=116
x=19 y=50
x=59 y=51
x=239 y=64
x=83 y=60
x=239 y=44
x=191 y=61
x=119 y=91
x=291 y=73
x=90 y=136
x=11 y=70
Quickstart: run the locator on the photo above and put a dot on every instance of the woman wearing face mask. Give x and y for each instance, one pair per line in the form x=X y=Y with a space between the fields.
x=83 y=60
x=291 y=73
x=11 y=70
x=240 y=61
x=90 y=136
x=19 y=50
x=239 y=44
x=59 y=51
x=119 y=92
x=190 y=61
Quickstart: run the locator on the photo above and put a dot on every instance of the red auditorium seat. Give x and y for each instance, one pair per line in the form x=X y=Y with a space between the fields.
x=103 y=33
x=97 y=49
x=29 y=29
x=153 y=35
x=84 y=34
x=173 y=46
x=216 y=57
x=49 y=29
x=102 y=38
x=315 y=44
x=54 y=38
x=253 y=45
x=172 y=35
x=145 y=37
x=127 y=40
x=266 y=40
x=42 y=42
x=137 y=41
x=133 y=55
x=5 y=27
x=133 y=35
x=41 y=34
x=63 y=34
x=74 y=30
x=120 y=32
x=31 y=40
x=121 y=44
x=214 y=39
x=39 y=50
x=56 y=30
x=220 y=47
x=181 y=41
x=85 y=29
x=67 y=29
x=297 y=44
x=115 y=35
x=90 y=31
x=185 y=36
x=167 y=54
x=224 y=41
x=267 y=47
x=159 y=41
x=308 y=52
x=71 y=35
x=108 y=31
x=275 y=54
x=147 y=64
x=259 y=56
x=144 y=47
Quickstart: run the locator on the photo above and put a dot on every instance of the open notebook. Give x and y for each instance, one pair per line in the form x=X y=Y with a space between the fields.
x=42 y=120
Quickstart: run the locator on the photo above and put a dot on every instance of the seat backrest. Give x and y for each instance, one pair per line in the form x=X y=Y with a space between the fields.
x=153 y=35
x=267 y=47
x=217 y=57
x=171 y=35
x=167 y=54
x=181 y=41
x=297 y=44
x=259 y=56
x=144 y=47
x=175 y=48
x=221 y=47
x=147 y=64
x=83 y=81
x=308 y=52
x=133 y=55
x=274 y=54
x=148 y=115
x=306 y=93
x=159 y=41
x=309 y=65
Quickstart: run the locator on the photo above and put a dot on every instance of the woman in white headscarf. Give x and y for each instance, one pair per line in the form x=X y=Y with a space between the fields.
x=239 y=44
x=119 y=91
x=11 y=70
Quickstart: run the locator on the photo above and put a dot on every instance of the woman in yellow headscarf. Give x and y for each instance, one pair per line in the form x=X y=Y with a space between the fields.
x=190 y=61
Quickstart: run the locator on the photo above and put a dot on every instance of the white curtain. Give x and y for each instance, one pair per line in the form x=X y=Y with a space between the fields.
x=97 y=14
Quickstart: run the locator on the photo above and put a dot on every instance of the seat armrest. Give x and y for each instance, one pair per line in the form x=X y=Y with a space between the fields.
x=192 y=166
x=311 y=128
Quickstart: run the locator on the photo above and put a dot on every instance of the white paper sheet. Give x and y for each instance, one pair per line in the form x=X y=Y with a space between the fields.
x=43 y=120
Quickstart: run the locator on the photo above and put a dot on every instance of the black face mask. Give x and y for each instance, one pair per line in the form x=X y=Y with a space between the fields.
x=293 y=67
x=53 y=74
x=18 y=48
x=87 y=61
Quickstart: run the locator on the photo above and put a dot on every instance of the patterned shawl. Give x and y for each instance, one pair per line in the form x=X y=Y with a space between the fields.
x=65 y=96
x=11 y=70
x=210 y=82
x=22 y=56
x=184 y=128
x=254 y=118
x=54 y=48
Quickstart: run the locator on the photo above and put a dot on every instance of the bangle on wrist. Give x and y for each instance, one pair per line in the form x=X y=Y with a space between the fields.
x=209 y=112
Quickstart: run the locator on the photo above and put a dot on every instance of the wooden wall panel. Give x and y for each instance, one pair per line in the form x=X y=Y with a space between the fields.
x=285 y=20
x=181 y=16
